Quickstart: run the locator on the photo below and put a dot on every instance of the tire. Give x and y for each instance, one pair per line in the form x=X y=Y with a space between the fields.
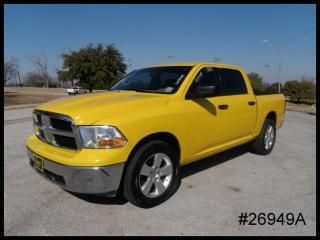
x=142 y=186
x=259 y=145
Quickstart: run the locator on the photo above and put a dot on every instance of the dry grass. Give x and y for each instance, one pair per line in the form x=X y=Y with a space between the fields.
x=301 y=107
x=13 y=98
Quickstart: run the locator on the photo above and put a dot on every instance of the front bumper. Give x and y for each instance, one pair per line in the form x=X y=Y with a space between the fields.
x=89 y=180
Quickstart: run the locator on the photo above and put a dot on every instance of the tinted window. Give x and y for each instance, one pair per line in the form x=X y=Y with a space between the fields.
x=232 y=82
x=206 y=77
x=155 y=79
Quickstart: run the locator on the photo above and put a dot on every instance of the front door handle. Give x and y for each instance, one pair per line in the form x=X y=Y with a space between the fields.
x=252 y=103
x=223 y=106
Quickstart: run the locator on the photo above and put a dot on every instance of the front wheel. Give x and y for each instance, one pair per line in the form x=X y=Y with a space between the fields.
x=153 y=175
x=264 y=143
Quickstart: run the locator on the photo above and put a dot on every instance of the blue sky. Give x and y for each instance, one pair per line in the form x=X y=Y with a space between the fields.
x=148 y=34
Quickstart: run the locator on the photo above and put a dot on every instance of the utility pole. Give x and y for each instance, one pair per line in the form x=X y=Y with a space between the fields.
x=278 y=45
x=279 y=71
x=279 y=48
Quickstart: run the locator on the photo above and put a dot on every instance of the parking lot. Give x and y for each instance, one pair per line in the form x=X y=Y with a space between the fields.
x=212 y=195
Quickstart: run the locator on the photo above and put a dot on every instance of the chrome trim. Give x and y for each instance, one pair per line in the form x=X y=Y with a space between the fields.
x=269 y=137
x=55 y=131
x=155 y=178
x=77 y=136
x=74 y=133
x=104 y=180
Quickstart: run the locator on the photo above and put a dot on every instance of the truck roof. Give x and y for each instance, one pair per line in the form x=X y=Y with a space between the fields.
x=196 y=63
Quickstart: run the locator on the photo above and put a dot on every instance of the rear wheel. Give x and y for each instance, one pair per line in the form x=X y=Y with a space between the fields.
x=264 y=143
x=152 y=175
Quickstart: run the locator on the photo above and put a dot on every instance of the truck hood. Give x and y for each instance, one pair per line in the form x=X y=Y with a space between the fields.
x=87 y=109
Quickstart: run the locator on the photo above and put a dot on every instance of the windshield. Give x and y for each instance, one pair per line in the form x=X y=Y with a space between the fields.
x=154 y=79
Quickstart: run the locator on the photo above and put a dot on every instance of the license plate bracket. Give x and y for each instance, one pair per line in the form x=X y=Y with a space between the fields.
x=38 y=162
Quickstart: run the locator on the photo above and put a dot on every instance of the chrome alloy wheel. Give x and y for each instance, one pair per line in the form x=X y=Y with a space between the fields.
x=269 y=137
x=155 y=175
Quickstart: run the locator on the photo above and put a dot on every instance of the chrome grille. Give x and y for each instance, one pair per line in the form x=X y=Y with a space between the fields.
x=57 y=130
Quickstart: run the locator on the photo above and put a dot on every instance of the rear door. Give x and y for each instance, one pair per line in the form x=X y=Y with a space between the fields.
x=241 y=105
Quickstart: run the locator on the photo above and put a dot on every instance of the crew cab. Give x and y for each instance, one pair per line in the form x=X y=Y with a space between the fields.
x=134 y=138
x=76 y=90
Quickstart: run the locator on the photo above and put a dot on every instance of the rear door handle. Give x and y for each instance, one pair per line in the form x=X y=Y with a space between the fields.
x=252 y=103
x=223 y=106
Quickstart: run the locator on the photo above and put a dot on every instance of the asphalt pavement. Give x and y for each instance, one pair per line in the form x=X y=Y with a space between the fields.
x=212 y=195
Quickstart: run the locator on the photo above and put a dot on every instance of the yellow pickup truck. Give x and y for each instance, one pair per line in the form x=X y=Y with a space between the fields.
x=134 y=138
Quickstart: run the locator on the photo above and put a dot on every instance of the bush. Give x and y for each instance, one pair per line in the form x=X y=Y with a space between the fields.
x=300 y=90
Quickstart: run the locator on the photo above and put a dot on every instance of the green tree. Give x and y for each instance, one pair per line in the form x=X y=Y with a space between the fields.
x=256 y=83
x=309 y=84
x=94 y=66
x=292 y=89
x=273 y=88
x=309 y=89
x=300 y=90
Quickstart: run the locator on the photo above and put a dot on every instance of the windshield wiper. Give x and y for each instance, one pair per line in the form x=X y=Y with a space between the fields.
x=132 y=89
x=129 y=89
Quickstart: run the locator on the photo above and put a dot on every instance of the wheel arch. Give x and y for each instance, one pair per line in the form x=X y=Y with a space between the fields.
x=273 y=116
x=164 y=136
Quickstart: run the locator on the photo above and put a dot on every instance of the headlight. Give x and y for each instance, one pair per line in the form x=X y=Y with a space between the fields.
x=35 y=126
x=101 y=137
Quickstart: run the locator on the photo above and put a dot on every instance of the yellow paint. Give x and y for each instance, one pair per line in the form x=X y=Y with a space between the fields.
x=200 y=127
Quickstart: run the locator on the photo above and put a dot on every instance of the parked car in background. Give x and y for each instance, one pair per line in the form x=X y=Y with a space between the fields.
x=76 y=90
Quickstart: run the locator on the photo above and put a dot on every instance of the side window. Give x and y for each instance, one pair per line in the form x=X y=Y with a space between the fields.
x=206 y=77
x=232 y=82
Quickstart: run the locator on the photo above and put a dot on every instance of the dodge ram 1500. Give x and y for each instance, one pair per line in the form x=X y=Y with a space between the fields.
x=134 y=138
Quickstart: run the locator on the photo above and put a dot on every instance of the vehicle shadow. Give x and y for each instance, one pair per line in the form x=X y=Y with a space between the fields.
x=117 y=200
x=186 y=171
x=207 y=105
x=214 y=160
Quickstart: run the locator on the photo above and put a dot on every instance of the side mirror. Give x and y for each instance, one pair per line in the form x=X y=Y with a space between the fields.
x=203 y=92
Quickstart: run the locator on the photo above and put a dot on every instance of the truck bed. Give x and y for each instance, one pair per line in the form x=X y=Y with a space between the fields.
x=269 y=103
